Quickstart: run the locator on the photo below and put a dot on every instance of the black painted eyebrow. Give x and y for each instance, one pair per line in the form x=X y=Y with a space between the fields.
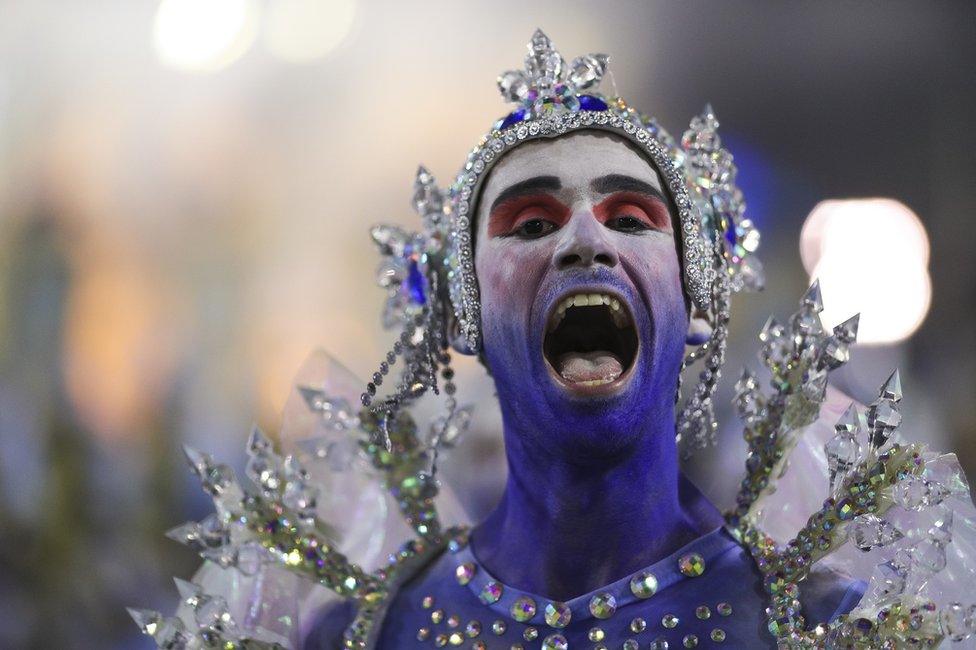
x=620 y=183
x=528 y=186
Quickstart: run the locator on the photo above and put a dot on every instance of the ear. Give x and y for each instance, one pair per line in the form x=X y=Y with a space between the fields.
x=457 y=341
x=699 y=327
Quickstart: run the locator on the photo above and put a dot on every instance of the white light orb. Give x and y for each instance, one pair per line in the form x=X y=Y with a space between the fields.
x=299 y=31
x=204 y=35
x=871 y=256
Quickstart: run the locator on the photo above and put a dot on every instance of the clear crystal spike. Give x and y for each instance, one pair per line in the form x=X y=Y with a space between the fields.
x=148 y=620
x=812 y=298
x=847 y=331
x=892 y=387
x=258 y=442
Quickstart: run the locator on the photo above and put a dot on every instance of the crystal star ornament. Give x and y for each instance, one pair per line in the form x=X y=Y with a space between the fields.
x=547 y=83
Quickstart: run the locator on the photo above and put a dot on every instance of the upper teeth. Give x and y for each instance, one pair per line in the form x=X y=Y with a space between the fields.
x=589 y=300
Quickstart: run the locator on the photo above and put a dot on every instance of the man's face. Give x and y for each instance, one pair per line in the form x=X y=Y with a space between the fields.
x=583 y=313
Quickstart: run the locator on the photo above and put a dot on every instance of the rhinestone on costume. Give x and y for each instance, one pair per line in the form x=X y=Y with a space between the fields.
x=499 y=627
x=473 y=629
x=691 y=565
x=690 y=641
x=465 y=572
x=644 y=584
x=453 y=620
x=659 y=643
x=530 y=634
x=718 y=635
x=638 y=625
x=603 y=605
x=631 y=644
x=437 y=616
x=724 y=609
x=427 y=602
x=523 y=609
x=670 y=621
x=490 y=593
x=455 y=638
x=596 y=634
x=440 y=640
x=555 y=642
x=479 y=645
x=702 y=612
x=423 y=634
x=558 y=614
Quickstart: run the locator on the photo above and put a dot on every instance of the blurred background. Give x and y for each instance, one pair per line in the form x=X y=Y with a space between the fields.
x=186 y=186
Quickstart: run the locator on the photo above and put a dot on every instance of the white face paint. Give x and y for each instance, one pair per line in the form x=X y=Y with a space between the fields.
x=579 y=215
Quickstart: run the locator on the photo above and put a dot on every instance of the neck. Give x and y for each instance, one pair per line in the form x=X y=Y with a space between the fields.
x=565 y=527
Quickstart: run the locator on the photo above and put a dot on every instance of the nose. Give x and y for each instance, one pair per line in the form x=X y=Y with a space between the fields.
x=584 y=243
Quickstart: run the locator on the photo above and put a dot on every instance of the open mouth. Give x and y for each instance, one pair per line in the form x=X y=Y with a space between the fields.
x=590 y=339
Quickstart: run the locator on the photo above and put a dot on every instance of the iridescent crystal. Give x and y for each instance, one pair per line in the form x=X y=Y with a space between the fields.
x=702 y=612
x=490 y=593
x=638 y=625
x=596 y=634
x=660 y=643
x=870 y=531
x=523 y=609
x=670 y=621
x=690 y=641
x=558 y=614
x=724 y=609
x=603 y=605
x=717 y=635
x=644 y=584
x=555 y=642
x=498 y=627
x=465 y=572
x=691 y=565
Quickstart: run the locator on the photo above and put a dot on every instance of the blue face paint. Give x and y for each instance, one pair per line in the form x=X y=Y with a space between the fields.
x=594 y=490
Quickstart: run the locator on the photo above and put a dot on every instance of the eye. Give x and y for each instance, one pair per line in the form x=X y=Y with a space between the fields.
x=534 y=228
x=627 y=223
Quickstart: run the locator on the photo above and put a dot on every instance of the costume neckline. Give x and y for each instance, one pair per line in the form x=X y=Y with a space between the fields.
x=667 y=572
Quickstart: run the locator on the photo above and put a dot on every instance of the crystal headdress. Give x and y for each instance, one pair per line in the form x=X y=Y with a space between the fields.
x=716 y=241
x=555 y=98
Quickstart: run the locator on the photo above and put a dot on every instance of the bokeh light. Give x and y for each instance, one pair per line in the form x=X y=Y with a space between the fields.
x=298 y=31
x=204 y=35
x=871 y=256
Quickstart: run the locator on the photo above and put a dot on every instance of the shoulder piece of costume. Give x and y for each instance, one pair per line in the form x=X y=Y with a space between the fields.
x=323 y=519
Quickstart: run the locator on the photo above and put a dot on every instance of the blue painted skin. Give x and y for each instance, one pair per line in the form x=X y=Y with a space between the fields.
x=594 y=492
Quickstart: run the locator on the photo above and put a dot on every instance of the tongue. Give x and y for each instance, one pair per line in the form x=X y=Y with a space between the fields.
x=600 y=366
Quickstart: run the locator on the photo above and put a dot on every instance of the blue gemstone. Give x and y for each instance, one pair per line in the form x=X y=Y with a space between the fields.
x=513 y=118
x=591 y=103
x=415 y=284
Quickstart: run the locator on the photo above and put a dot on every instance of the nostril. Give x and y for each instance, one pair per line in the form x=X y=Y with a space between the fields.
x=603 y=258
x=569 y=260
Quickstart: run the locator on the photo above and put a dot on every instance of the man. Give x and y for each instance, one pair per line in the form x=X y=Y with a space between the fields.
x=584 y=324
